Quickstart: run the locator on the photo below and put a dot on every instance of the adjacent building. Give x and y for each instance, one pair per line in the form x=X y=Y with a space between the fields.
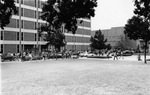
x=21 y=33
x=116 y=35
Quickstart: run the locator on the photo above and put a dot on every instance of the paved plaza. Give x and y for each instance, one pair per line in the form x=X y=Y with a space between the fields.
x=76 y=77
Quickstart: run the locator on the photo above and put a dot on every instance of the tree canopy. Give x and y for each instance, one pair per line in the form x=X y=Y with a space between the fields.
x=142 y=9
x=58 y=12
x=98 y=41
x=54 y=37
x=138 y=27
x=7 y=8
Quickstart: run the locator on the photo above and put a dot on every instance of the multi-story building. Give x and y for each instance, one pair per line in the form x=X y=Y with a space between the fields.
x=21 y=34
x=116 y=35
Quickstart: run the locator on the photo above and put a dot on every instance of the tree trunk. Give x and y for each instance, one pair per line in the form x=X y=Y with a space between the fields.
x=145 y=48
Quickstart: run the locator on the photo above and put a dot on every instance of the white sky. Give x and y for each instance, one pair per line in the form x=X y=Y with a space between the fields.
x=112 y=13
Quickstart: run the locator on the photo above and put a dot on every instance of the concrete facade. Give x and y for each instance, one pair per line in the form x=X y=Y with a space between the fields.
x=11 y=38
x=115 y=35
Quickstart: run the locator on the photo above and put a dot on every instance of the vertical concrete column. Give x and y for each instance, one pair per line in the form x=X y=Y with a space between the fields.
x=82 y=47
x=20 y=45
x=0 y=39
x=37 y=36
x=0 y=57
x=0 y=47
x=148 y=47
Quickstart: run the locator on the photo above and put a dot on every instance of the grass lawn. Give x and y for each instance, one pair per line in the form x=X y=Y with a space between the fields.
x=76 y=77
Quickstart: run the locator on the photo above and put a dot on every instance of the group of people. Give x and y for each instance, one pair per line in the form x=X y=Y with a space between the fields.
x=44 y=54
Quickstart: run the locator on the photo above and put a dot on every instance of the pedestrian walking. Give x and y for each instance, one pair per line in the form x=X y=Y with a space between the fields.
x=108 y=53
x=115 y=55
x=44 y=55
x=23 y=56
x=139 y=57
x=121 y=55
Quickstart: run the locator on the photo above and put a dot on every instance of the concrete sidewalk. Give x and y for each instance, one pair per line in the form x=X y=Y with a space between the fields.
x=125 y=58
x=134 y=58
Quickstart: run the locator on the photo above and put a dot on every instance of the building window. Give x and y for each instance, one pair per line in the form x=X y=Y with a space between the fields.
x=17 y=48
x=18 y=11
x=22 y=24
x=21 y=1
x=35 y=3
x=38 y=38
x=2 y=48
x=22 y=36
x=35 y=25
x=17 y=35
x=39 y=14
x=34 y=14
x=17 y=23
x=39 y=24
x=2 y=35
x=17 y=1
x=39 y=4
x=35 y=37
x=22 y=12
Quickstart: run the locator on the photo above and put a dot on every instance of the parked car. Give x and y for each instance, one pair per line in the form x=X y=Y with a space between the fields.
x=127 y=53
x=90 y=54
x=86 y=54
x=82 y=54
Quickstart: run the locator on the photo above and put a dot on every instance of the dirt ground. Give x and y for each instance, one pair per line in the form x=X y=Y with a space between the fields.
x=76 y=77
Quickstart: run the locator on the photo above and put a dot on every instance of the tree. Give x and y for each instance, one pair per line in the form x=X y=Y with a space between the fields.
x=66 y=12
x=98 y=41
x=58 y=13
x=108 y=46
x=7 y=8
x=54 y=37
x=122 y=44
x=138 y=27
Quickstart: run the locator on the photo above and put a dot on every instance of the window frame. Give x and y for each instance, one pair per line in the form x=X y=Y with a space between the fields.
x=22 y=24
x=22 y=11
x=17 y=37
x=2 y=48
x=22 y=36
x=22 y=1
x=2 y=34
x=17 y=23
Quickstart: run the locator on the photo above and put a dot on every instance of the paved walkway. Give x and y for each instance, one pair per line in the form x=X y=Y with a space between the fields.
x=125 y=58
